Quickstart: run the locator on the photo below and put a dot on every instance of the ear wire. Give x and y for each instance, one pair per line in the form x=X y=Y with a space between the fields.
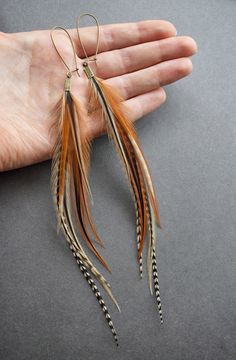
x=89 y=59
x=69 y=71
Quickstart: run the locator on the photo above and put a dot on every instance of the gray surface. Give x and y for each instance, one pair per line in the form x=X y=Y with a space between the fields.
x=47 y=310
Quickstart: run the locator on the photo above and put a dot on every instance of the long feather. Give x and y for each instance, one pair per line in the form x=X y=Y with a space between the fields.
x=68 y=166
x=121 y=130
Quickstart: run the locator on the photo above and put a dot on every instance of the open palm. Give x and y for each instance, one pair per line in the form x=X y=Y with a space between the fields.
x=137 y=58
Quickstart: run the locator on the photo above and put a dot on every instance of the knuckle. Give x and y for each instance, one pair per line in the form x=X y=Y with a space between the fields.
x=126 y=59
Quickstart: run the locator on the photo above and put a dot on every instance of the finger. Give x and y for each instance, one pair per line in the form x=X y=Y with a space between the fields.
x=151 y=78
x=116 y=36
x=140 y=56
x=142 y=105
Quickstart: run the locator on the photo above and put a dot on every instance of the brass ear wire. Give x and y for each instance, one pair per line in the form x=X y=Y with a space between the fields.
x=69 y=71
x=88 y=59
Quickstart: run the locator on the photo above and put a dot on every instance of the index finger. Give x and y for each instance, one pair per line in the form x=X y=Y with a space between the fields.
x=117 y=36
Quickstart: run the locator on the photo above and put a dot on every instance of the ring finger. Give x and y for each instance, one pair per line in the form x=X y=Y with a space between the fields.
x=154 y=77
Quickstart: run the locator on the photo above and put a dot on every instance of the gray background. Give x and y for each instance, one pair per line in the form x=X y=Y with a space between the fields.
x=47 y=310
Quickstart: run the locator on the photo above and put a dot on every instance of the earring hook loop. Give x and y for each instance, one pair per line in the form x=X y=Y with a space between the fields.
x=69 y=71
x=98 y=36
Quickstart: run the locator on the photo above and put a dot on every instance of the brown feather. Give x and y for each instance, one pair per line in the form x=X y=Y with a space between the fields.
x=137 y=170
x=116 y=104
x=69 y=149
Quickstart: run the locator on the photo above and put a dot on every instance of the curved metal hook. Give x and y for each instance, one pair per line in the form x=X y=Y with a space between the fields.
x=98 y=36
x=69 y=73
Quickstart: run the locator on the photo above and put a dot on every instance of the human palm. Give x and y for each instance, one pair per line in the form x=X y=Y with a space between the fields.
x=136 y=58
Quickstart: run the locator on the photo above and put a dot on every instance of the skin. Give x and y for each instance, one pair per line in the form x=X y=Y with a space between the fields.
x=136 y=58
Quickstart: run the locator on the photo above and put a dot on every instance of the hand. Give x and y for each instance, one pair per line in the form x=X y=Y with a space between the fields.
x=137 y=58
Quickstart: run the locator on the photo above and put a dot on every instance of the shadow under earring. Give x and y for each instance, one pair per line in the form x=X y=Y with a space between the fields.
x=121 y=130
x=70 y=185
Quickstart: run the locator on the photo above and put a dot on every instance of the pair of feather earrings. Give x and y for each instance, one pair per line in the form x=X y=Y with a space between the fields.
x=69 y=178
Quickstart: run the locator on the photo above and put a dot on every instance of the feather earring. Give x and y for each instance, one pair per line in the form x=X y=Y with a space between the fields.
x=121 y=130
x=70 y=186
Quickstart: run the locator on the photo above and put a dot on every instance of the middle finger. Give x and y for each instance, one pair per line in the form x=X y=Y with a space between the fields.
x=118 y=62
